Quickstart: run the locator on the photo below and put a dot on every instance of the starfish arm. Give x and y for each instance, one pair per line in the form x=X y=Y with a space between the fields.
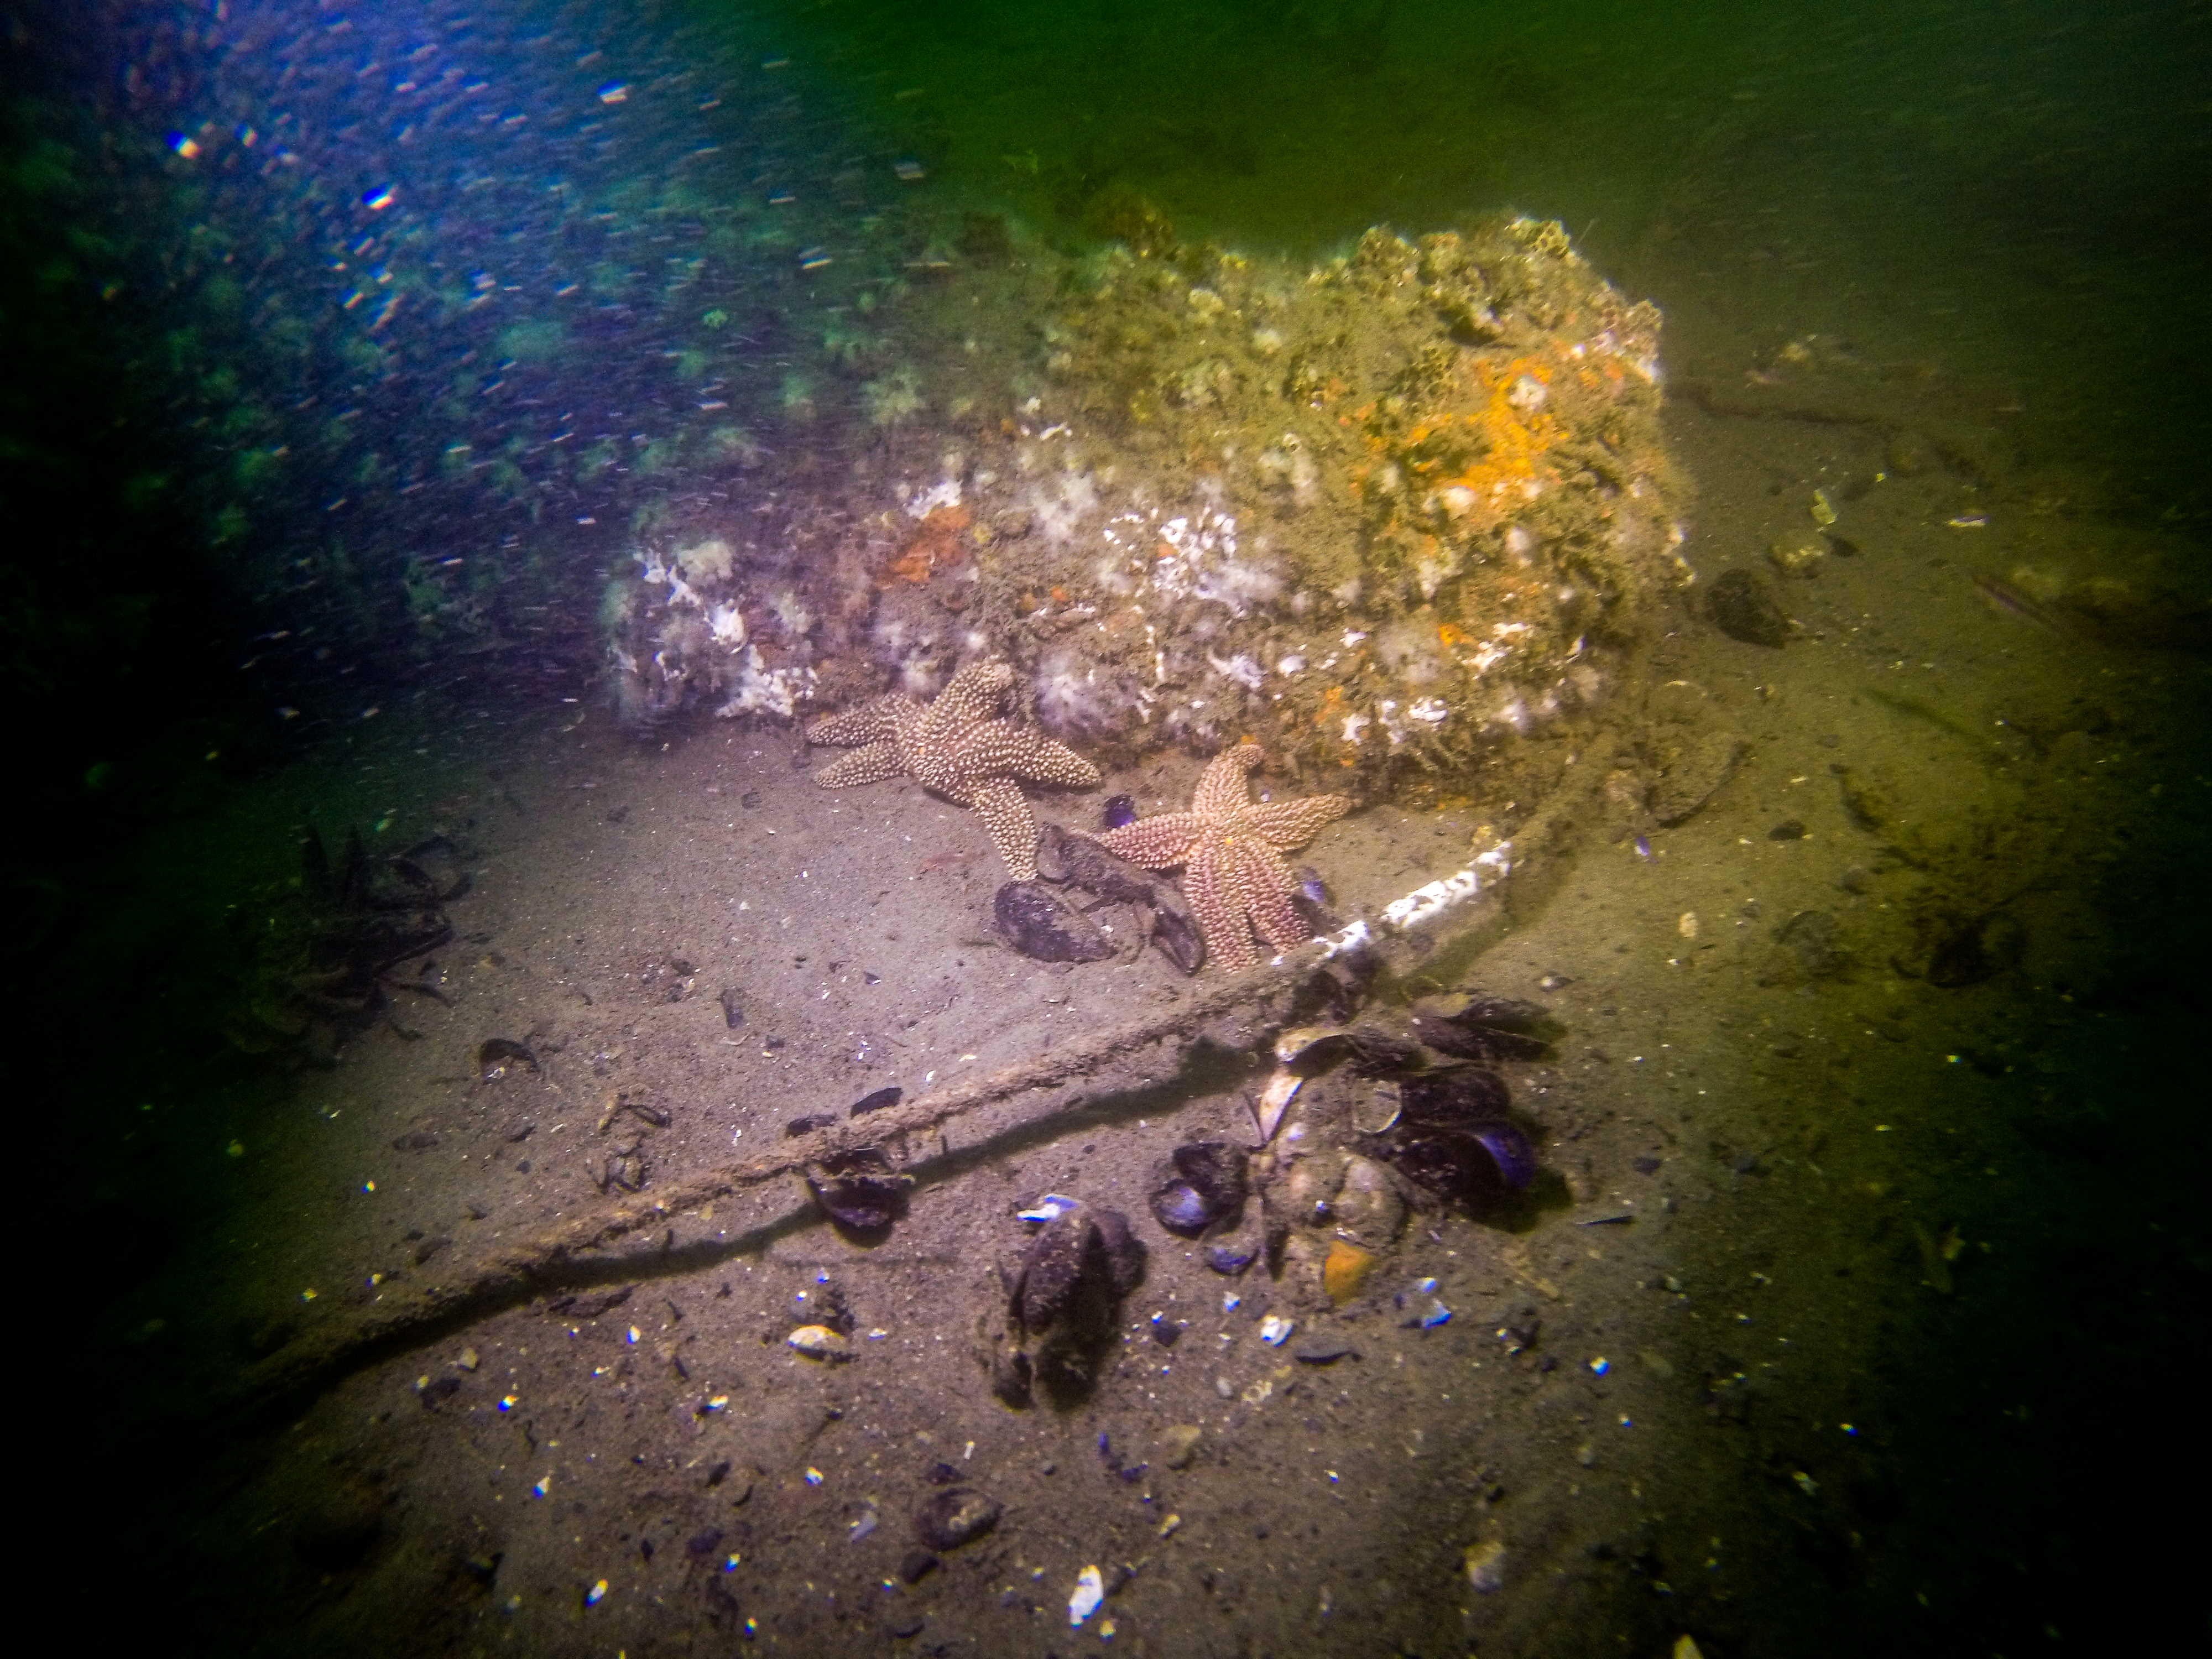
x=1221 y=788
x=1006 y=813
x=1002 y=749
x=1220 y=918
x=970 y=697
x=1288 y=824
x=866 y=724
x=871 y=764
x=1158 y=843
x=1042 y=760
x=1264 y=882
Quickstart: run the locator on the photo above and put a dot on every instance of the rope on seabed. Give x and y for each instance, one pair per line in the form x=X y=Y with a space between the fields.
x=506 y=1271
x=509 y=1268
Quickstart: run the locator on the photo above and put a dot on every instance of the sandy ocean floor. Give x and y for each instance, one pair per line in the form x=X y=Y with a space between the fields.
x=1858 y=1263
x=1687 y=1386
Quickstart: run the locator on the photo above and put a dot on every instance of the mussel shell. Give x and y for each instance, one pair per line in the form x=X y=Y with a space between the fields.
x=1509 y=1150
x=1119 y=810
x=1447 y=1100
x=1181 y=1208
x=1470 y=1025
x=1040 y=924
x=1230 y=1258
x=1474 y=1163
x=1122 y=1250
x=1215 y=1170
x=858 y=1189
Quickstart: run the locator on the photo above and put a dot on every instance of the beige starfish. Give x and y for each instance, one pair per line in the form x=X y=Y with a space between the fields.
x=958 y=747
x=1230 y=847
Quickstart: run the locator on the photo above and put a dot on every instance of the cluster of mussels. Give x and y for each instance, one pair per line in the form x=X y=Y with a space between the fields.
x=1393 y=1112
x=323 y=958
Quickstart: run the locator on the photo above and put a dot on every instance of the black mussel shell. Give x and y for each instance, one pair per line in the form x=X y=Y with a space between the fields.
x=1474 y=1164
x=858 y=1189
x=1052 y=1267
x=1509 y=1150
x=1040 y=924
x=1122 y=1251
x=955 y=1516
x=1208 y=1186
x=1175 y=932
x=1120 y=810
x=1744 y=608
x=1450 y=1099
x=1471 y=1025
x=1215 y=1169
x=1230 y=1258
x=496 y=1056
x=1180 y=1208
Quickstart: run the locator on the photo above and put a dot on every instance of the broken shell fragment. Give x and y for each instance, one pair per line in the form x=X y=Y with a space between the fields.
x=1269 y=1105
x=820 y=1342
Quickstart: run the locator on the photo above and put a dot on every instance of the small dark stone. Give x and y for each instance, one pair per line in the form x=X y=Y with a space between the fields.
x=483 y=1568
x=916 y=1565
x=941 y=1473
x=701 y=1544
x=1119 y=810
x=733 y=1013
x=901 y=1629
x=414 y=1140
x=1744 y=608
x=876 y=1101
x=1647 y=1166
x=1788 y=829
x=955 y=1516
x=1040 y=924
x=1167 y=1333
x=1323 y=1351
x=436 y=1392
x=809 y=1124
x=719 y=1474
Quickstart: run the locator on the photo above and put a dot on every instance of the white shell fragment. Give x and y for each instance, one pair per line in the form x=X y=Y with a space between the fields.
x=1275 y=1330
x=1267 y=1108
x=1050 y=1207
x=1089 y=1591
x=820 y=1342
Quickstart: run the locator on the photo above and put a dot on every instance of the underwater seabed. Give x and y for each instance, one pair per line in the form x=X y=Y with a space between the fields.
x=1854 y=1118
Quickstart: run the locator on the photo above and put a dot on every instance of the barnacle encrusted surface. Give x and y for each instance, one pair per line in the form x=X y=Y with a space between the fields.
x=1384 y=517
